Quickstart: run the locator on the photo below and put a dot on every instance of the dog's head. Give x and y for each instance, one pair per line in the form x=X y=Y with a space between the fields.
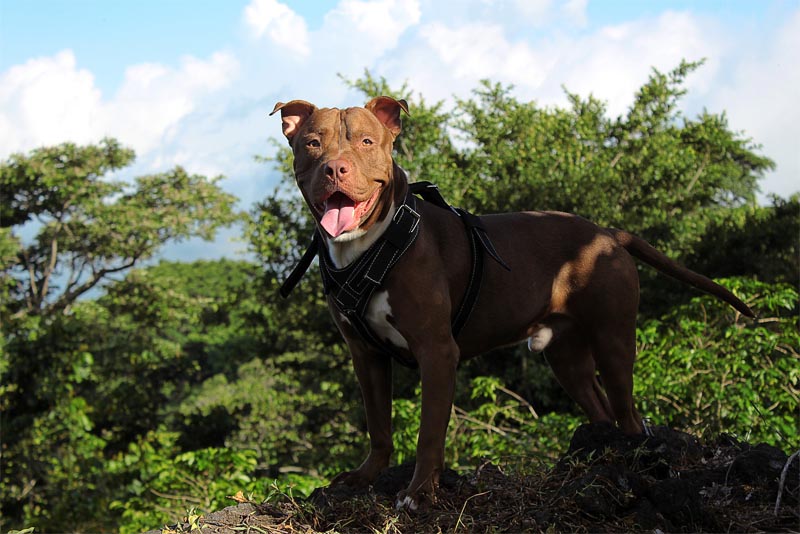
x=343 y=162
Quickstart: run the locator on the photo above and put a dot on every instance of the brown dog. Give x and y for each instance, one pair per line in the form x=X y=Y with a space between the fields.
x=572 y=288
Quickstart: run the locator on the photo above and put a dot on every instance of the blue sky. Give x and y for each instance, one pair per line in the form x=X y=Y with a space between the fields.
x=107 y=36
x=158 y=30
x=191 y=83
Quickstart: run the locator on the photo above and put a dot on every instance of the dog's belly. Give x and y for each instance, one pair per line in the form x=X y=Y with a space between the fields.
x=378 y=316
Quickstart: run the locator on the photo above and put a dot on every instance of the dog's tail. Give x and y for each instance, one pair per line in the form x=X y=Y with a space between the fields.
x=641 y=249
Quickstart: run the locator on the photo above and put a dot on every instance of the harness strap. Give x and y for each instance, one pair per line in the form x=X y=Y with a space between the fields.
x=475 y=227
x=430 y=192
x=302 y=266
x=473 y=286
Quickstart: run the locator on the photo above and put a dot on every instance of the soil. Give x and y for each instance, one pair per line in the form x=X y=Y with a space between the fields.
x=607 y=482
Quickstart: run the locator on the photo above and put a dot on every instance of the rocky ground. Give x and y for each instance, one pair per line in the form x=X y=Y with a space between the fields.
x=607 y=482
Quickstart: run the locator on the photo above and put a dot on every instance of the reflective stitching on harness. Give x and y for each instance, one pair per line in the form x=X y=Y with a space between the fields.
x=403 y=211
x=385 y=270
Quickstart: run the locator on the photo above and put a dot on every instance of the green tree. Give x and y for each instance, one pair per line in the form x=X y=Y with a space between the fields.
x=759 y=241
x=278 y=230
x=87 y=229
x=648 y=170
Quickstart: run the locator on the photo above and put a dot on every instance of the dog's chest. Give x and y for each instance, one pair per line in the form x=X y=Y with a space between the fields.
x=378 y=316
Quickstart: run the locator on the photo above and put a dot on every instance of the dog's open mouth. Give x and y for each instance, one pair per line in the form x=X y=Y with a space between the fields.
x=341 y=213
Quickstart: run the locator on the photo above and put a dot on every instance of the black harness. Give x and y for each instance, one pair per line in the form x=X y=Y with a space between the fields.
x=353 y=286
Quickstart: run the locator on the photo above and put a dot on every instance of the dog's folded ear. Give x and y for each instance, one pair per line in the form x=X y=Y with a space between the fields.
x=293 y=114
x=387 y=109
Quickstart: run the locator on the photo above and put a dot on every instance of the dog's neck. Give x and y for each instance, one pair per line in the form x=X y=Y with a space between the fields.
x=343 y=252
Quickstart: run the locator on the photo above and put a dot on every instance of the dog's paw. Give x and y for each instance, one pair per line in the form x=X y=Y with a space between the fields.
x=411 y=501
x=406 y=502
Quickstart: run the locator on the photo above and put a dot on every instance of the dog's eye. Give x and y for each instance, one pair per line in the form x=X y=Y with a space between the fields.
x=312 y=143
x=367 y=141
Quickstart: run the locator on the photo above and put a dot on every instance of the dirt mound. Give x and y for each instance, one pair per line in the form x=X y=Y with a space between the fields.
x=607 y=482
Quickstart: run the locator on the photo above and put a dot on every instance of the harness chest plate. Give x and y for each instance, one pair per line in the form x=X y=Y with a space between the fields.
x=352 y=287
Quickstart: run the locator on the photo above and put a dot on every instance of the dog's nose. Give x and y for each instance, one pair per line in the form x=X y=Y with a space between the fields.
x=337 y=169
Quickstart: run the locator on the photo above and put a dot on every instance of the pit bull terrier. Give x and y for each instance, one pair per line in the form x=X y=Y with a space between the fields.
x=571 y=289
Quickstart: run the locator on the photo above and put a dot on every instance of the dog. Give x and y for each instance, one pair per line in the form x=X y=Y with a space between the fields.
x=566 y=285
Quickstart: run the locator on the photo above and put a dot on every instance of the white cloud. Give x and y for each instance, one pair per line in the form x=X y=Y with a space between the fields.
x=153 y=98
x=45 y=101
x=366 y=30
x=353 y=35
x=753 y=78
x=442 y=54
x=543 y=13
x=280 y=23
x=536 y=12
x=192 y=114
x=50 y=100
x=761 y=99
x=610 y=62
x=481 y=50
x=382 y=20
x=575 y=10
x=613 y=62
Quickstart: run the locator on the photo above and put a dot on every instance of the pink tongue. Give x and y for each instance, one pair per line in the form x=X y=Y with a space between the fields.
x=339 y=214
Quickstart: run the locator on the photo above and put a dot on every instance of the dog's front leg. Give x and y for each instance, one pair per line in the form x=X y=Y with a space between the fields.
x=374 y=373
x=438 y=374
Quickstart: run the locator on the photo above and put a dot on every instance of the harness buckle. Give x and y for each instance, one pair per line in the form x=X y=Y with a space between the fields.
x=398 y=214
x=405 y=208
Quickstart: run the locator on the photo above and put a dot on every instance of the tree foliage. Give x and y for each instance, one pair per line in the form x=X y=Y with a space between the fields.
x=648 y=170
x=88 y=228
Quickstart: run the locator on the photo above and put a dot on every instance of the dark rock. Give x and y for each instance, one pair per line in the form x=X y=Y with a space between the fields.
x=682 y=501
x=758 y=464
x=592 y=439
x=603 y=490
x=648 y=517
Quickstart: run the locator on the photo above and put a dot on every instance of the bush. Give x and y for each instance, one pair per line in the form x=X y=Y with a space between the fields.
x=705 y=368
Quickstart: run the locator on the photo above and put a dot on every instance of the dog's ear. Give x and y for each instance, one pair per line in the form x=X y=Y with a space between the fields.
x=293 y=115
x=388 y=110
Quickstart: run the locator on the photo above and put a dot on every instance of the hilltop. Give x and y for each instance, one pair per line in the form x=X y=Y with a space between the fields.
x=606 y=482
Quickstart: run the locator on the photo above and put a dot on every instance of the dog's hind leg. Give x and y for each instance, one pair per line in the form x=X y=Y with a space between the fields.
x=615 y=356
x=570 y=357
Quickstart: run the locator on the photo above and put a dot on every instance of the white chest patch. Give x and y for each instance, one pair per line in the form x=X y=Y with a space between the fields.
x=378 y=313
